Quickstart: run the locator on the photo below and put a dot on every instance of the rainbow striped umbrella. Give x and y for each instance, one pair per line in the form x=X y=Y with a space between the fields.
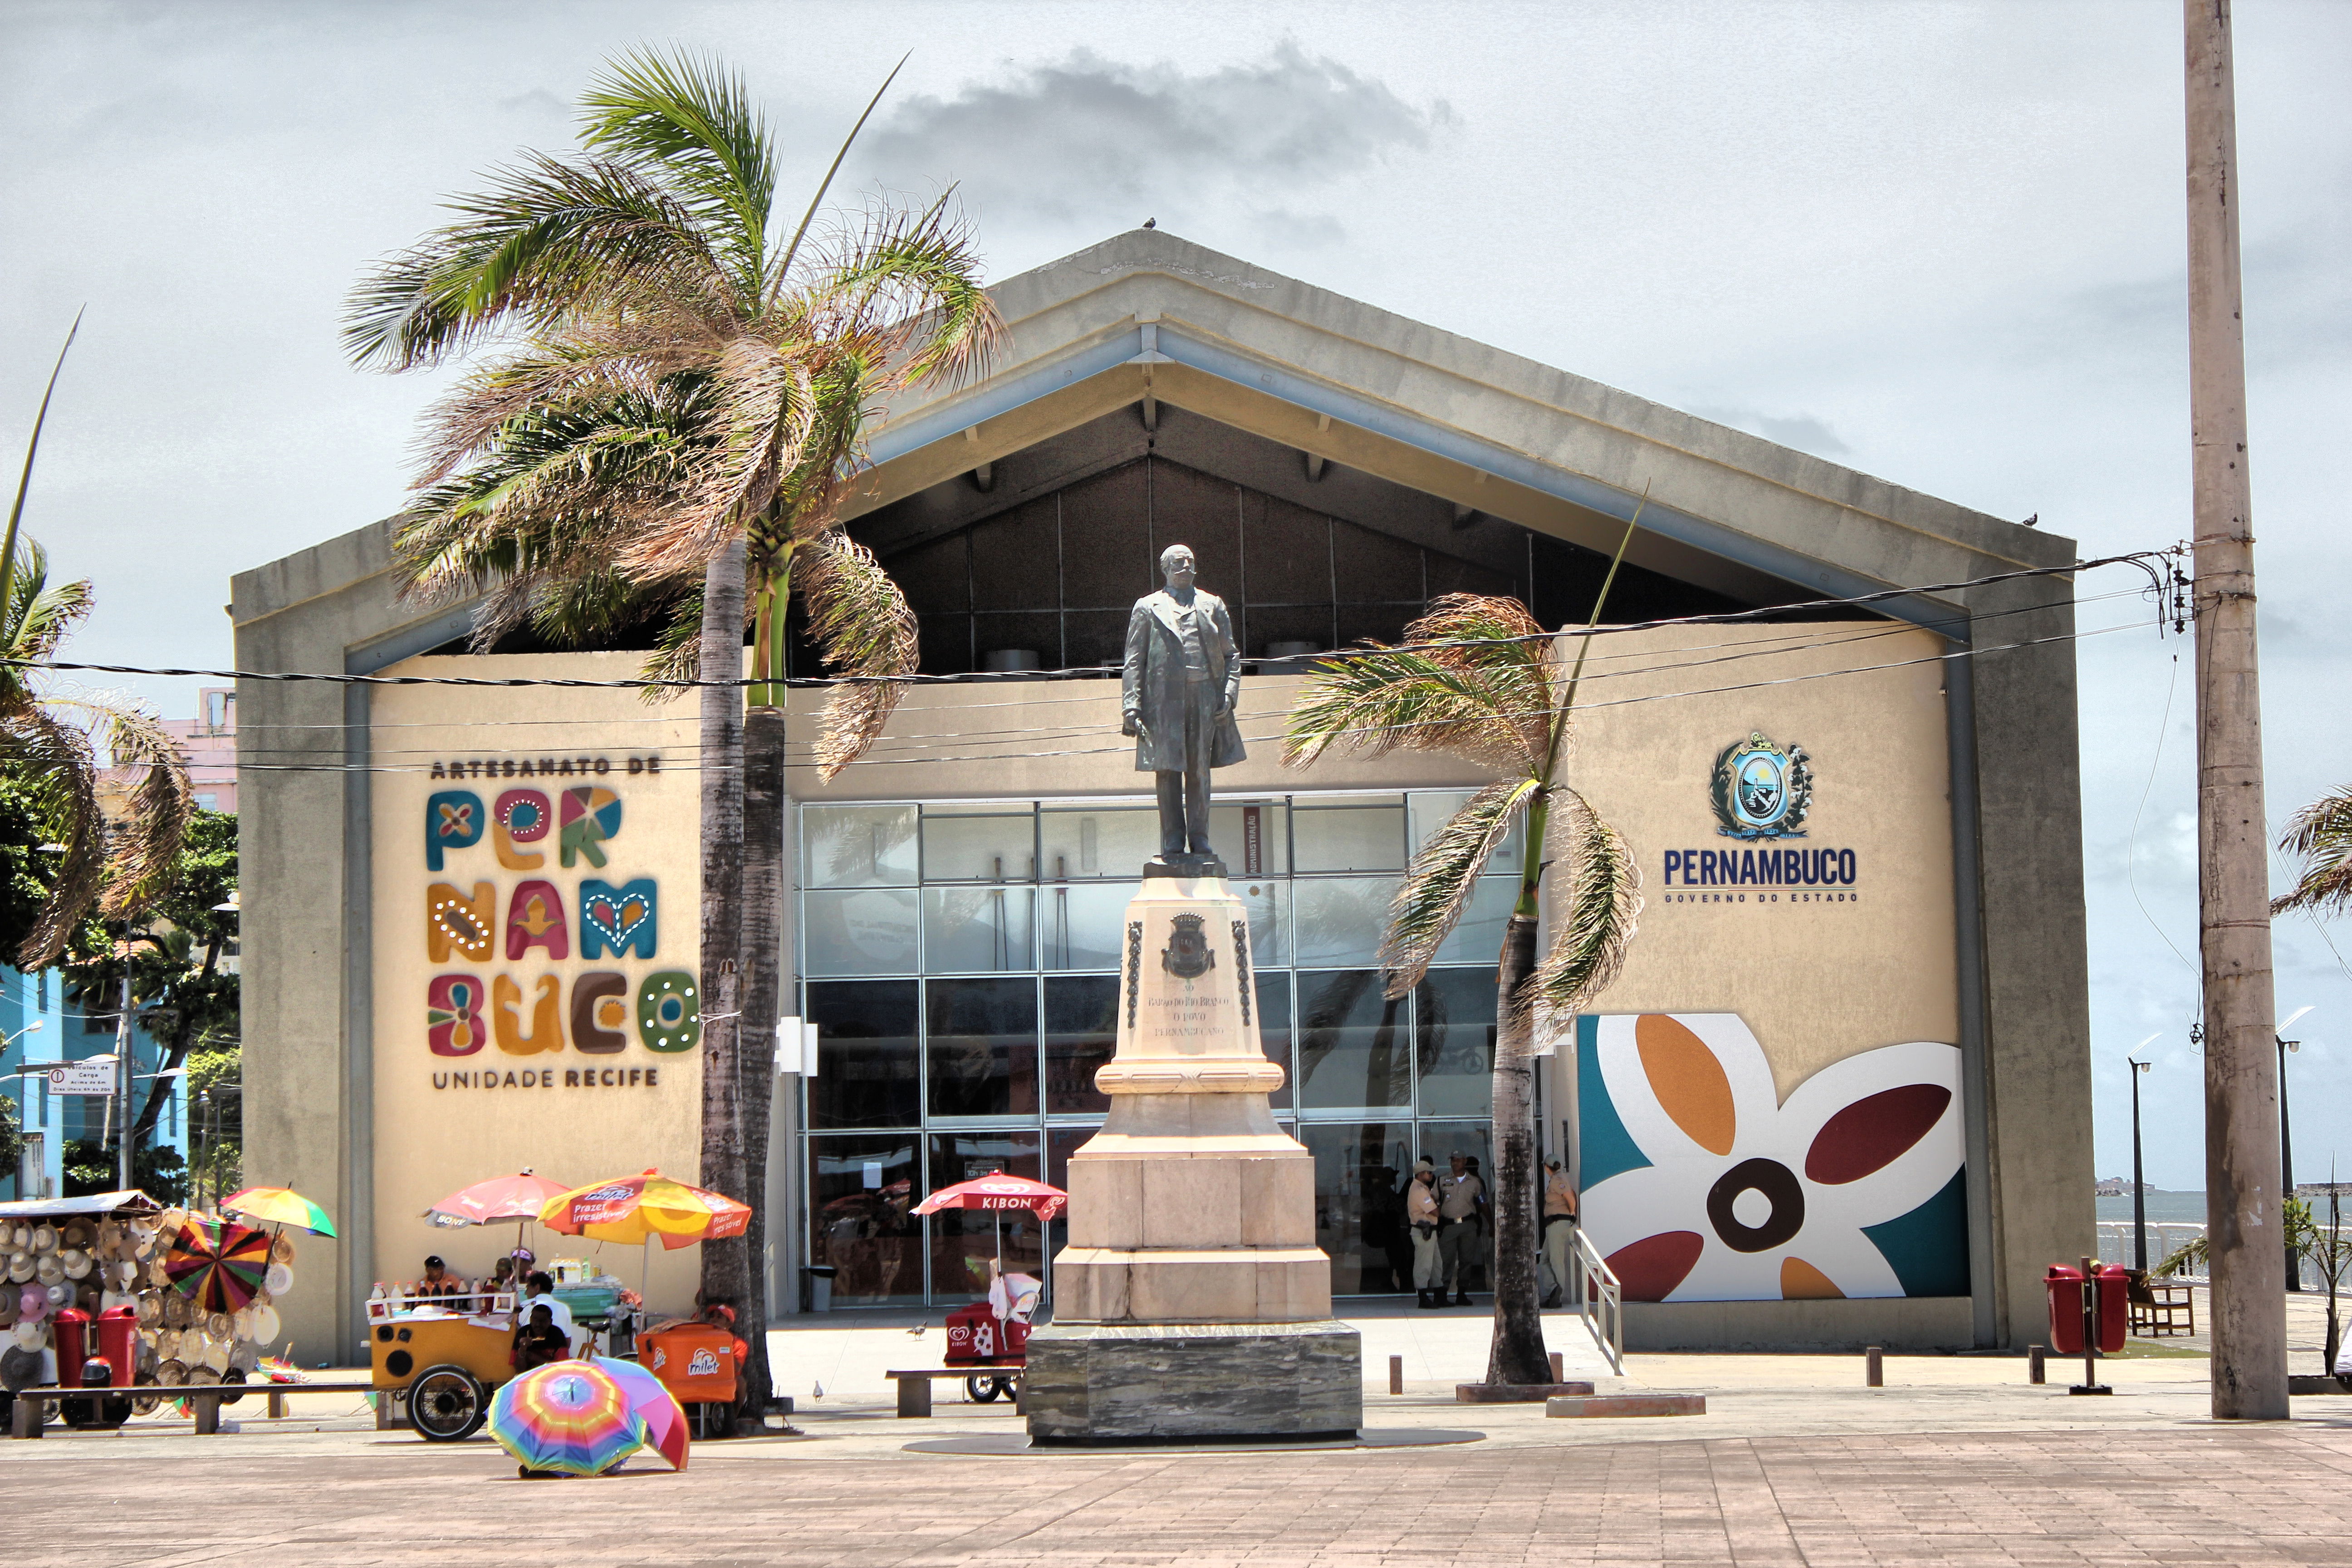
x=568 y=1416
x=279 y=1206
x=655 y=1404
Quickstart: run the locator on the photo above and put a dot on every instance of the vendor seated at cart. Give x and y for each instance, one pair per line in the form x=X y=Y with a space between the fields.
x=538 y=1291
x=438 y=1281
x=541 y=1340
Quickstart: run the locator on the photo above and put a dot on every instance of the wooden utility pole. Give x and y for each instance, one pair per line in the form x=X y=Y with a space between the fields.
x=2244 y=1223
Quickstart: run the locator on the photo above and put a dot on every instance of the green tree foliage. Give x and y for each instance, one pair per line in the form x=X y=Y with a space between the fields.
x=159 y=1171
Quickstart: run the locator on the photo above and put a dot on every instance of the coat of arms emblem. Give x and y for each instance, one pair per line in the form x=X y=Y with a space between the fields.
x=1762 y=790
x=1187 y=955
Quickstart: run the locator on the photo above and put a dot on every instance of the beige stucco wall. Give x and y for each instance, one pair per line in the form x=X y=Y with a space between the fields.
x=1816 y=978
x=431 y=1140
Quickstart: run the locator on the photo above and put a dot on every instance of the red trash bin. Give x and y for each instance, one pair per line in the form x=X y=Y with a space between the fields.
x=70 y=1334
x=2065 y=1286
x=118 y=1341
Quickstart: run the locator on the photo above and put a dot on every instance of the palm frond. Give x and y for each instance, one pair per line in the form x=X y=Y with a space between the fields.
x=547 y=240
x=688 y=124
x=2321 y=834
x=37 y=616
x=914 y=281
x=677 y=648
x=1500 y=639
x=53 y=760
x=1380 y=700
x=145 y=852
x=859 y=618
x=1438 y=885
x=1597 y=919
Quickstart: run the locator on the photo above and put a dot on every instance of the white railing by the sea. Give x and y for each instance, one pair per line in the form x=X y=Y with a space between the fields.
x=2164 y=1239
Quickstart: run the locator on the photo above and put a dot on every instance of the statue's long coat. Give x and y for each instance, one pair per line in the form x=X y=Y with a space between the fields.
x=1154 y=690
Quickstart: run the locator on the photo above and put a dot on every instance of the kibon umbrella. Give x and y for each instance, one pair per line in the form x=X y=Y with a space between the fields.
x=568 y=1416
x=656 y=1405
x=217 y=1268
x=998 y=1193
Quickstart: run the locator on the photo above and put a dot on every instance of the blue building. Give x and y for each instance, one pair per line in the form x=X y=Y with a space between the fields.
x=38 y=1025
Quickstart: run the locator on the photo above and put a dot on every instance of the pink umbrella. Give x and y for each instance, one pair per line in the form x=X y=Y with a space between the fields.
x=518 y=1197
x=651 y=1402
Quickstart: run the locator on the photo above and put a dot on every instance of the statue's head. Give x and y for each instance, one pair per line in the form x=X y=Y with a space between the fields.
x=1176 y=565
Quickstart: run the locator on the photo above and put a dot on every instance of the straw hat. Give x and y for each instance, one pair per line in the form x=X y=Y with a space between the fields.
x=265 y=1324
x=49 y=1269
x=76 y=1263
x=202 y=1377
x=45 y=1238
x=20 y=1367
x=17 y=1238
x=8 y=1308
x=244 y=1357
x=143 y=1240
x=170 y=1374
x=175 y=1310
x=151 y=1312
x=278 y=1280
x=157 y=1273
x=60 y=1294
x=281 y=1251
x=78 y=1233
x=30 y=1335
x=217 y=1357
x=219 y=1326
x=20 y=1267
x=167 y=1344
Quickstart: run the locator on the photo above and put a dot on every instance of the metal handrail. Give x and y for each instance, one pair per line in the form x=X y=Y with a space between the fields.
x=1599 y=1300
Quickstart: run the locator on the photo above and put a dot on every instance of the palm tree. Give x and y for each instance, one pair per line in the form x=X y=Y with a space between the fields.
x=679 y=394
x=2321 y=833
x=51 y=736
x=1478 y=678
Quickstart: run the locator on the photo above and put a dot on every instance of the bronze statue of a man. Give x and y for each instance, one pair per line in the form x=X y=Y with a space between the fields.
x=1176 y=696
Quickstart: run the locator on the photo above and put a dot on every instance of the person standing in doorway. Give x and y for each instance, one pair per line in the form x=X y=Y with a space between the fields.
x=1458 y=1197
x=1558 y=1227
x=1422 y=1218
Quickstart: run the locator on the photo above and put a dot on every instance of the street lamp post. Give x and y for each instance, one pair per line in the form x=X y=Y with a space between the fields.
x=2286 y=1159
x=2139 y=1187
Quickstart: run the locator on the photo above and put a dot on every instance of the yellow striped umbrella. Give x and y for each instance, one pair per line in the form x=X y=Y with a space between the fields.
x=638 y=1208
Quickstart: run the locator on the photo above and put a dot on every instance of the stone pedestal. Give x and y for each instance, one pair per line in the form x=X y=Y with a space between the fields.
x=1192 y=1301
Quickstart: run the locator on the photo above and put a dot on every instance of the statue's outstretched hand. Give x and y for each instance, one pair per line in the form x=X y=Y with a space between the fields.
x=1131 y=723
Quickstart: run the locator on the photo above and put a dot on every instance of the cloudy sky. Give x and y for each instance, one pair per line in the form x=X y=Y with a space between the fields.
x=1939 y=243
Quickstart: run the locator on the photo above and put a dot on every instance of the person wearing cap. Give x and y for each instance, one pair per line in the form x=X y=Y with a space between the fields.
x=438 y=1282
x=1458 y=1196
x=1559 y=1226
x=1421 y=1217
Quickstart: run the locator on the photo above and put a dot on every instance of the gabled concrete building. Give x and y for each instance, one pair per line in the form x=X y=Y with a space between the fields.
x=1840 y=1094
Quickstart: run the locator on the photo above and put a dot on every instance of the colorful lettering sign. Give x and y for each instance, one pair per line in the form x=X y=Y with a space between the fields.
x=669 y=1013
x=456 y=923
x=592 y=815
x=521 y=817
x=600 y=1012
x=453 y=820
x=535 y=918
x=546 y=1028
x=453 y=1016
x=619 y=919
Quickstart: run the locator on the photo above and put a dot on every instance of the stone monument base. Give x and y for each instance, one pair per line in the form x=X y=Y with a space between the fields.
x=1173 y=1383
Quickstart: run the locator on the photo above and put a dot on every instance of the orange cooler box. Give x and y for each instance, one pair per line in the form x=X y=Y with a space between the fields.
x=696 y=1362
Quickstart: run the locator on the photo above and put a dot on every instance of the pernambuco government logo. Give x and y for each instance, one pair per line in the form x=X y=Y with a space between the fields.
x=1762 y=790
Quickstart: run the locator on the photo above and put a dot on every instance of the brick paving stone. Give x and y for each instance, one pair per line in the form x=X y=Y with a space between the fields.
x=2068 y=1498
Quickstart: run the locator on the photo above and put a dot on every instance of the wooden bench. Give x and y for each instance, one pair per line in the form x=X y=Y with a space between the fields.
x=205 y=1400
x=915 y=1385
x=2162 y=1307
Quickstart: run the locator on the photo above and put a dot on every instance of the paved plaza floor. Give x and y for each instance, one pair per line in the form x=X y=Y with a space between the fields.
x=1957 y=1460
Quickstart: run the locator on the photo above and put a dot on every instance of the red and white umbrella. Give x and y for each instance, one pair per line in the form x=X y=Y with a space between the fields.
x=998 y=1193
x=501 y=1200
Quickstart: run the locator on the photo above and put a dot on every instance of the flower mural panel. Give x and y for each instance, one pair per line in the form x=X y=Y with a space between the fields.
x=1702 y=1184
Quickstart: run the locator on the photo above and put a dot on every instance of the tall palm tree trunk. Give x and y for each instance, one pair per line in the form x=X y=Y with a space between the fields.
x=762 y=992
x=1518 y=1353
x=722 y=757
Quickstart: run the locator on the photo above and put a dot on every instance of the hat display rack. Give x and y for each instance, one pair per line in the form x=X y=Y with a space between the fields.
x=97 y=1263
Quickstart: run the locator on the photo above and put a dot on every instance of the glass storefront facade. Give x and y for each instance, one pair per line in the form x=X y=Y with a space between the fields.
x=960 y=963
